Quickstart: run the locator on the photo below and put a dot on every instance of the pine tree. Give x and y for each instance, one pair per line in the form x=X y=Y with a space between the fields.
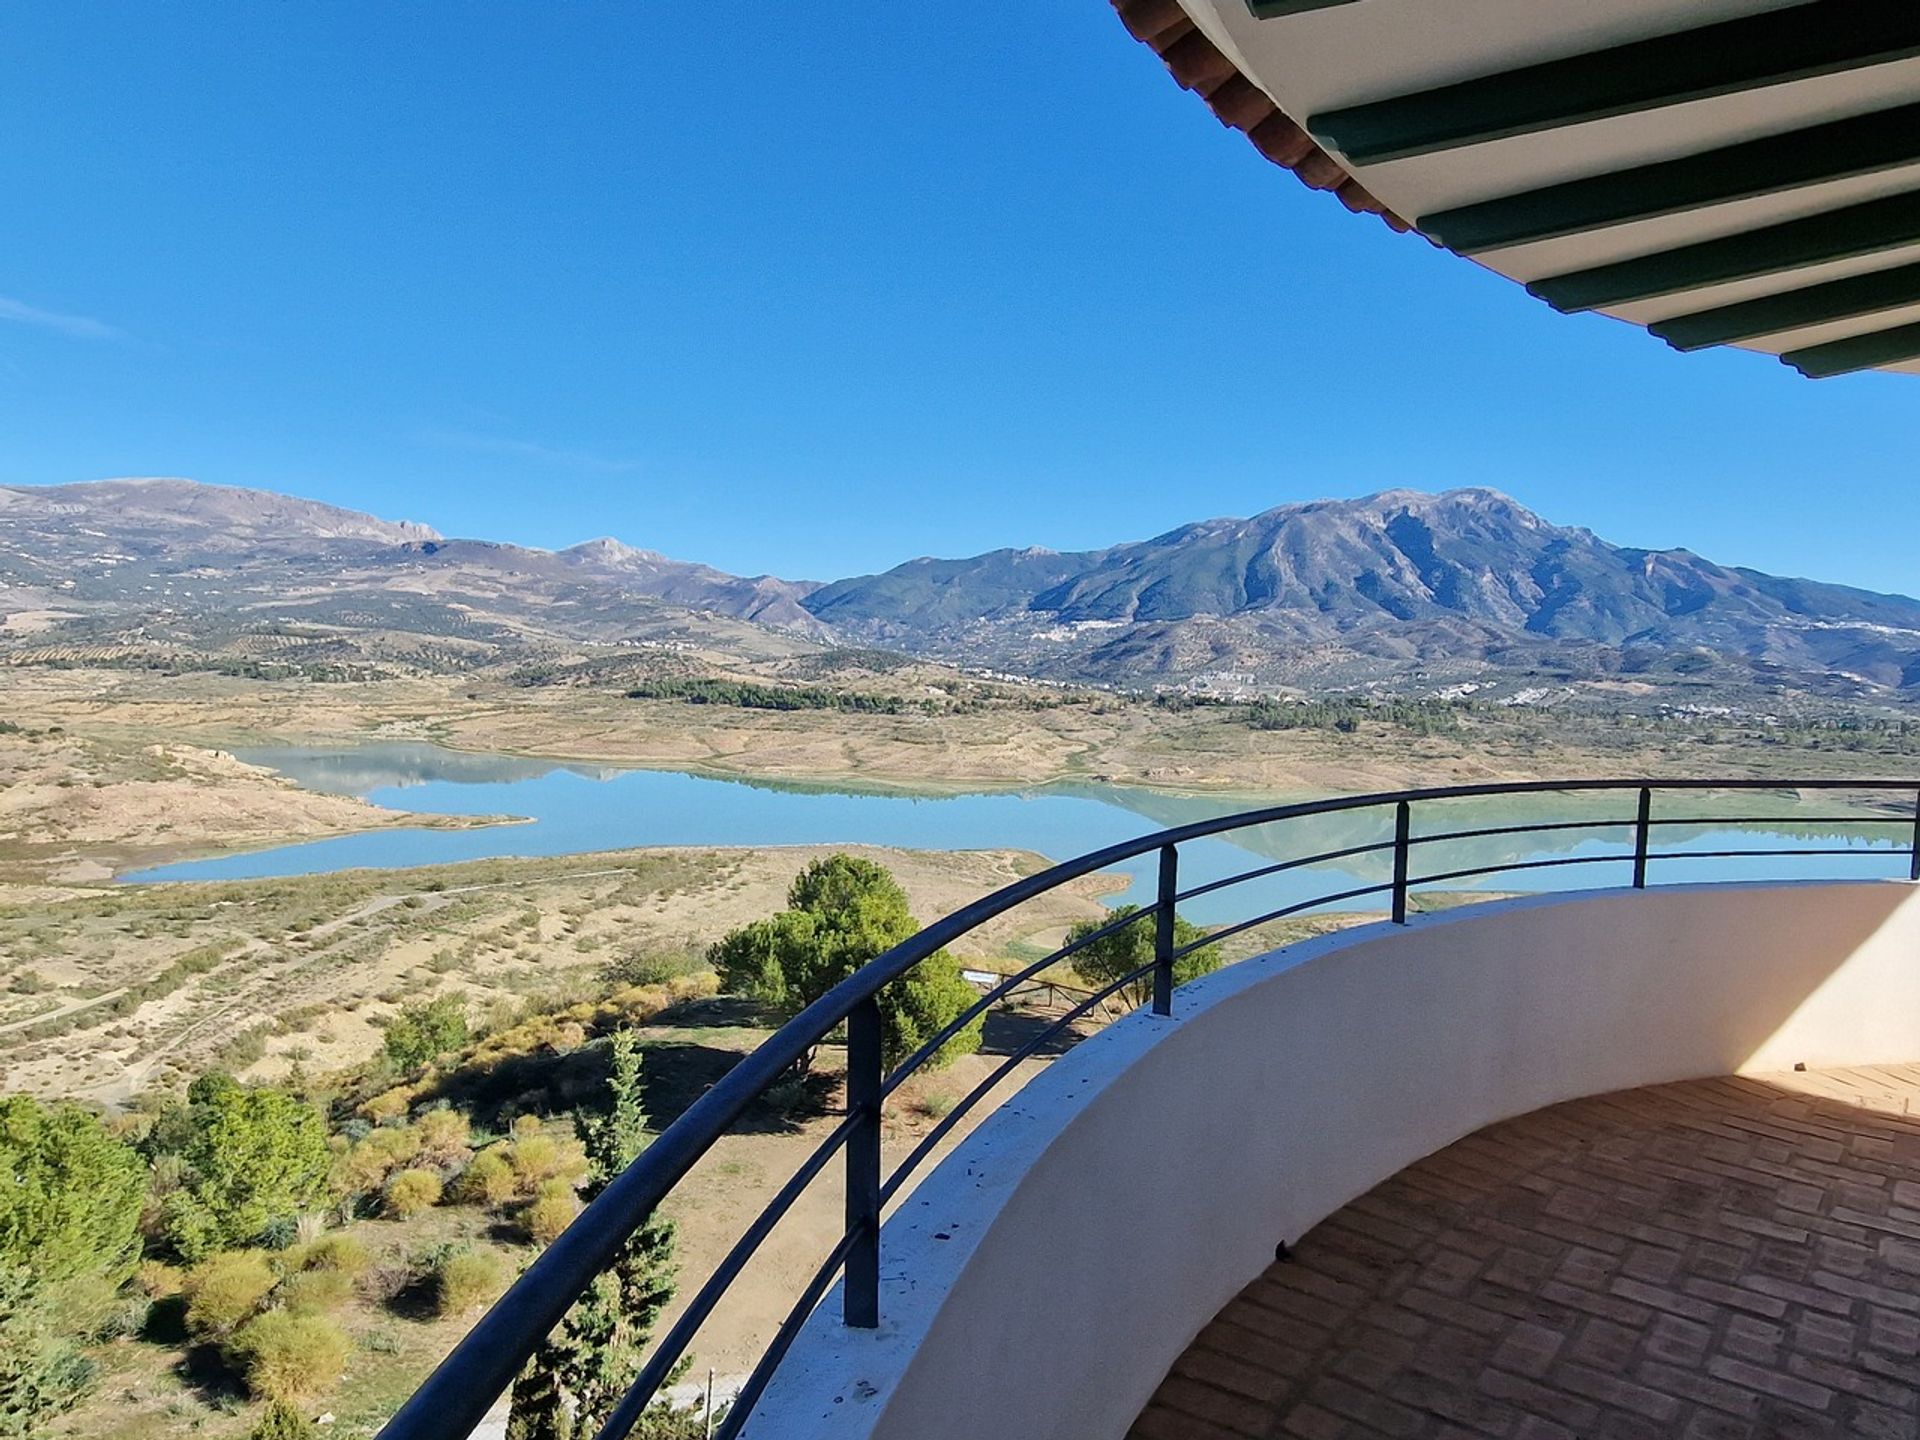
x=583 y=1368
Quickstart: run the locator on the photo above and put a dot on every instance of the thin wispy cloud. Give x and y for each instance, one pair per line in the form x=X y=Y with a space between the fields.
x=481 y=443
x=78 y=327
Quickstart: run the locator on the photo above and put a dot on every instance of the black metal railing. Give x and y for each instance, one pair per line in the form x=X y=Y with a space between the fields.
x=477 y=1372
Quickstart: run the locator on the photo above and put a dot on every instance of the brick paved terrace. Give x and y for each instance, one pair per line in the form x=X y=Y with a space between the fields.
x=1718 y=1260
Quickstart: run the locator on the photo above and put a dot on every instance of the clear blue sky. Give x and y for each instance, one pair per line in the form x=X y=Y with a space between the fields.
x=809 y=289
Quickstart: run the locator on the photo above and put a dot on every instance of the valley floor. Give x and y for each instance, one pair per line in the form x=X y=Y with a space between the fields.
x=143 y=790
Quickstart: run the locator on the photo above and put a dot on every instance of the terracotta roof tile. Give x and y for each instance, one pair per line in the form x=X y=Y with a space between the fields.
x=1198 y=65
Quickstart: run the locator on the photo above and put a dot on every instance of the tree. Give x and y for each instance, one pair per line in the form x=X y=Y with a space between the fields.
x=253 y=1156
x=922 y=1003
x=70 y=1203
x=843 y=912
x=42 y=1373
x=1128 y=948
x=420 y=1033
x=593 y=1355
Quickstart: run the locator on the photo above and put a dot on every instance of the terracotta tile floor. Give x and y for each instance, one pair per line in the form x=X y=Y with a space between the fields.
x=1716 y=1259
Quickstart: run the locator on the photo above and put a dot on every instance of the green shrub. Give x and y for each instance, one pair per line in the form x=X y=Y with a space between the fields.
x=388 y=1104
x=410 y=1192
x=280 y=1421
x=488 y=1180
x=344 y=1253
x=365 y=1167
x=290 y=1358
x=157 y=1280
x=189 y=1226
x=535 y=1158
x=420 y=1033
x=934 y=1105
x=442 y=1137
x=315 y=1292
x=552 y=1210
x=224 y=1290
x=651 y=967
x=468 y=1279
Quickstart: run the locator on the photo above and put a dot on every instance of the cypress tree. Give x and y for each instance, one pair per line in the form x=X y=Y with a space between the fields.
x=583 y=1368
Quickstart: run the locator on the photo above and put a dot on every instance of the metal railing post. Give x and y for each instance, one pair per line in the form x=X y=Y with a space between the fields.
x=1163 y=931
x=1402 y=834
x=860 y=1298
x=1642 y=828
x=1913 y=861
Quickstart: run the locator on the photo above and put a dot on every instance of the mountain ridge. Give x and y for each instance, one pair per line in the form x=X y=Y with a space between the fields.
x=1402 y=583
x=1401 y=578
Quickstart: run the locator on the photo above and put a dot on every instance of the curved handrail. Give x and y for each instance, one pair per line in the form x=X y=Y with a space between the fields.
x=464 y=1386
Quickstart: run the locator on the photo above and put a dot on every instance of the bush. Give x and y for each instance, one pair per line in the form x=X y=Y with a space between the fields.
x=189 y=1226
x=468 y=1279
x=224 y=1290
x=934 y=1105
x=420 y=1033
x=280 y=1421
x=537 y=1159
x=289 y=1357
x=442 y=1136
x=315 y=1292
x=343 y=1253
x=157 y=1280
x=364 y=1168
x=489 y=1180
x=410 y=1192
x=388 y=1104
x=551 y=1212
x=650 y=967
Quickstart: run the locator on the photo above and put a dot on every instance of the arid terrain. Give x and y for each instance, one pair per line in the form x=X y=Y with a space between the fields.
x=118 y=995
x=110 y=991
x=983 y=736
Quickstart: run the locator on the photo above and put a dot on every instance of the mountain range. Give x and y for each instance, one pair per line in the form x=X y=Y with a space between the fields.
x=1400 y=587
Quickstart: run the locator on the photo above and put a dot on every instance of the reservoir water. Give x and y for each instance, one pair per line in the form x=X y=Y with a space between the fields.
x=575 y=808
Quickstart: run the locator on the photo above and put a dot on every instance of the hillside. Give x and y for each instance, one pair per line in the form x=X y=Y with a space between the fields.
x=142 y=564
x=1402 y=589
x=1394 y=583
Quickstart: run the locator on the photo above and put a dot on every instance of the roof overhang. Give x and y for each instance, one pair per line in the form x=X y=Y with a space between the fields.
x=1722 y=172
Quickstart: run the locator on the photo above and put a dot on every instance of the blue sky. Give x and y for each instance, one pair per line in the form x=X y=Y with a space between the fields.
x=809 y=289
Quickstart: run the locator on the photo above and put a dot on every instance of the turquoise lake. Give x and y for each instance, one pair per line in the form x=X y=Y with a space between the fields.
x=574 y=808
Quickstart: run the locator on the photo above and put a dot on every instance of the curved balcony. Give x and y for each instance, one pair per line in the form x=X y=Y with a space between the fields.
x=1099 y=1255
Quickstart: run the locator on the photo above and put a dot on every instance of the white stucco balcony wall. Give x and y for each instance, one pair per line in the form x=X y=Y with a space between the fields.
x=1040 y=1282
